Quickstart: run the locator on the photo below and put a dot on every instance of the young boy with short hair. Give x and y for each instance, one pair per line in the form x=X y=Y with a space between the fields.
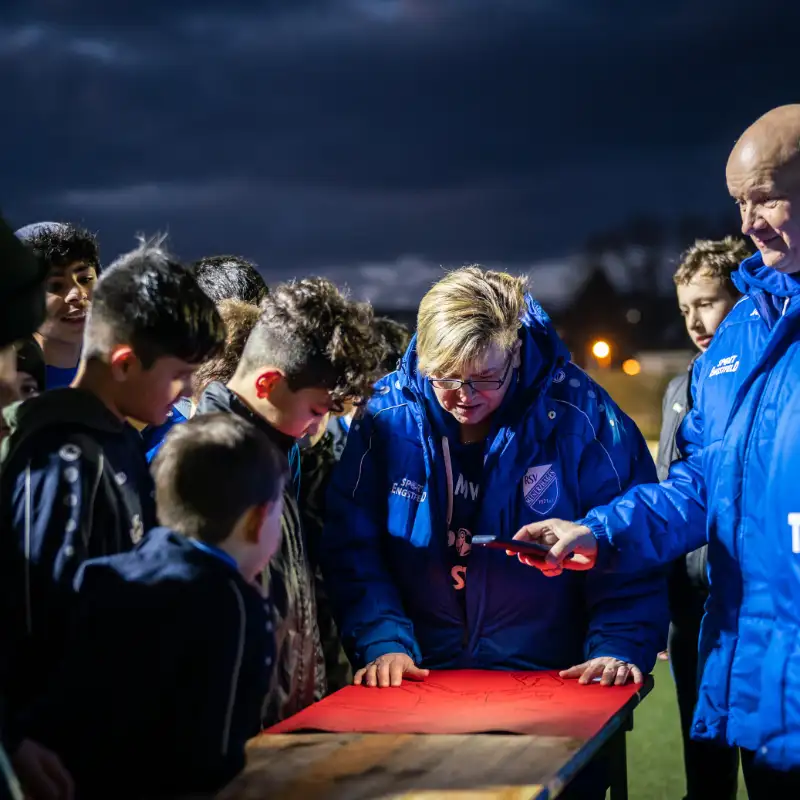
x=173 y=644
x=75 y=484
x=72 y=258
x=705 y=296
x=310 y=350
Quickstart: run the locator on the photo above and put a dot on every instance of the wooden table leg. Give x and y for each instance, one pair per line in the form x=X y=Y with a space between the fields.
x=618 y=764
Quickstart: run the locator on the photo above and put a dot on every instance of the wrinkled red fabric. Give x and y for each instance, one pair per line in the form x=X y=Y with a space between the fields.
x=468 y=701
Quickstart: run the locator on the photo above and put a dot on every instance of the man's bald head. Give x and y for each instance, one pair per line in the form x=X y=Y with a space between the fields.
x=772 y=142
x=763 y=175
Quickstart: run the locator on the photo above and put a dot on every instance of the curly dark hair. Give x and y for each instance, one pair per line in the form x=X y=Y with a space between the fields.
x=230 y=278
x=318 y=338
x=60 y=244
x=395 y=337
x=240 y=318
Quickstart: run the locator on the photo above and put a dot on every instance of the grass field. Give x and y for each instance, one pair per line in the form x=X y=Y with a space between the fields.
x=655 y=757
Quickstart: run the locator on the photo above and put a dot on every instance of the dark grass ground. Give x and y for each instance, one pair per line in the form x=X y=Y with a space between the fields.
x=655 y=761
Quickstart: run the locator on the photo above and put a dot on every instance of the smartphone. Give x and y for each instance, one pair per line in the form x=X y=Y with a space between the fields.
x=531 y=549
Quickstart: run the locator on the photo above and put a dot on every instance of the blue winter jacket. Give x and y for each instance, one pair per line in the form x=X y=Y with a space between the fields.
x=737 y=488
x=559 y=447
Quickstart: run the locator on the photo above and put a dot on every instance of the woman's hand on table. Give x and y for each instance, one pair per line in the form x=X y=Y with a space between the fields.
x=611 y=671
x=389 y=670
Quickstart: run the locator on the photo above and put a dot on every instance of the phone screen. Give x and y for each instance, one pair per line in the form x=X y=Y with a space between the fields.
x=533 y=549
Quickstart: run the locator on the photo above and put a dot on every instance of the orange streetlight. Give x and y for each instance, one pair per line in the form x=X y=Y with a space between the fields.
x=631 y=367
x=601 y=350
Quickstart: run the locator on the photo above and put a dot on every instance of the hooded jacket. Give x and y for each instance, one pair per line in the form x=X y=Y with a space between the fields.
x=736 y=488
x=299 y=676
x=163 y=683
x=74 y=485
x=558 y=445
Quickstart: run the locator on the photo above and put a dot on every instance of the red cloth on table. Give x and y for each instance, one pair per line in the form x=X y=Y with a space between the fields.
x=467 y=701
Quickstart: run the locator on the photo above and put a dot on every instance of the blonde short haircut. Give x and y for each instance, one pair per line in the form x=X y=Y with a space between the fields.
x=463 y=315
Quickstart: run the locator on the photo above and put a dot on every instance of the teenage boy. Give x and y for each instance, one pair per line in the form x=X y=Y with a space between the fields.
x=173 y=647
x=310 y=350
x=75 y=484
x=705 y=296
x=72 y=259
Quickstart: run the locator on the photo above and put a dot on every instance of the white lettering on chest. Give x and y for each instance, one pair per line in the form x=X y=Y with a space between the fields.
x=794 y=523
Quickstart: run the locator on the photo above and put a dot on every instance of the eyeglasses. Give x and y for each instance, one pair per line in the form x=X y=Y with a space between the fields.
x=477 y=384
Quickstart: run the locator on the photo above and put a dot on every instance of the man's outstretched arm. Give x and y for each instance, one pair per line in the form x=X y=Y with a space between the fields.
x=648 y=526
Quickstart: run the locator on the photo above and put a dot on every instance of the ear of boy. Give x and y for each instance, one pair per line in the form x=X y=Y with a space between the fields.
x=253 y=522
x=123 y=361
x=266 y=382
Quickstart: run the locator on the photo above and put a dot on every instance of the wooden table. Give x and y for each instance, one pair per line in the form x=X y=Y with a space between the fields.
x=354 y=766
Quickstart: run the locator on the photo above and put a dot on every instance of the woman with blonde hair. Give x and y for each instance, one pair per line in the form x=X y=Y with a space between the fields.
x=485 y=426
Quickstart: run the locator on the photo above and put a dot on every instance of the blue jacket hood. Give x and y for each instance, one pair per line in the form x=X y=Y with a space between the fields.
x=769 y=289
x=542 y=354
x=754 y=274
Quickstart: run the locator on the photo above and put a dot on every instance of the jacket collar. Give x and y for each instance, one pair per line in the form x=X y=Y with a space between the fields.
x=218 y=397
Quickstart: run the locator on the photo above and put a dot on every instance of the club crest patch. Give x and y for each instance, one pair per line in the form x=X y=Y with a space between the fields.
x=540 y=489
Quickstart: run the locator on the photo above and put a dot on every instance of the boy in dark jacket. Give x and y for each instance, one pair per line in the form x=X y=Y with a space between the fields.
x=705 y=296
x=310 y=350
x=75 y=484
x=173 y=643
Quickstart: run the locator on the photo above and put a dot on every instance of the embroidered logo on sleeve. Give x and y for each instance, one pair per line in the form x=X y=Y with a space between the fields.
x=540 y=489
x=724 y=365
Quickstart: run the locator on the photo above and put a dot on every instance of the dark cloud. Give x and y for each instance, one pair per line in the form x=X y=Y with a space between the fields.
x=314 y=133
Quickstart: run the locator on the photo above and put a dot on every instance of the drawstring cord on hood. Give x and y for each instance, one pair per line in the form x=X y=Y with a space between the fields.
x=448 y=469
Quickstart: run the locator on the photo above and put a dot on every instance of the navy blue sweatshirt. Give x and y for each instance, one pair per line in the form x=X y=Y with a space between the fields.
x=166 y=673
x=75 y=485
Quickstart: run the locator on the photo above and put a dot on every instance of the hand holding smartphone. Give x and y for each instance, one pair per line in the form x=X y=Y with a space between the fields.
x=530 y=549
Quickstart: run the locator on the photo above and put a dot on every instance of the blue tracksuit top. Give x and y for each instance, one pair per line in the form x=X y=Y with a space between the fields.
x=559 y=447
x=737 y=488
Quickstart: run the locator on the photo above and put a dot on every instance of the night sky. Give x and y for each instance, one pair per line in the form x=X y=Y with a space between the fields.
x=374 y=140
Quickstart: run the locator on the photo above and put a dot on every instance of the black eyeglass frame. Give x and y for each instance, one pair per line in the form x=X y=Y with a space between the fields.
x=477 y=385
